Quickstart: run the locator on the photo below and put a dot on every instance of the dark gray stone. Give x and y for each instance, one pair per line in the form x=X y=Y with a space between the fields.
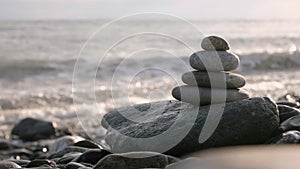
x=63 y=142
x=291 y=104
x=214 y=79
x=8 y=165
x=22 y=152
x=214 y=43
x=30 y=129
x=135 y=160
x=41 y=162
x=87 y=144
x=91 y=156
x=250 y=121
x=74 y=165
x=203 y=96
x=66 y=158
x=21 y=163
x=292 y=123
x=214 y=61
x=286 y=112
x=4 y=145
x=289 y=137
x=70 y=149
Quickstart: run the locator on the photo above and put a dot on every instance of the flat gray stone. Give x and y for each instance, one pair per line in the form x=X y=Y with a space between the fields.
x=204 y=96
x=214 y=43
x=161 y=126
x=214 y=61
x=214 y=79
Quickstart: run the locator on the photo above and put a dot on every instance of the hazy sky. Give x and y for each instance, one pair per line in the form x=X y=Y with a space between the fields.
x=192 y=9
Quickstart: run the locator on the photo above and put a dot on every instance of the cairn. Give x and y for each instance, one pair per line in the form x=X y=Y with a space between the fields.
x=213 y=66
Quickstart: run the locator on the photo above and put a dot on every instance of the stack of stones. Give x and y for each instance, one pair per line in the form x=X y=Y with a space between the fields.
x=213 y=82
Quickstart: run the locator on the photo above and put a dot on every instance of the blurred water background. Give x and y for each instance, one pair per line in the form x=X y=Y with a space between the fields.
x=37 y=61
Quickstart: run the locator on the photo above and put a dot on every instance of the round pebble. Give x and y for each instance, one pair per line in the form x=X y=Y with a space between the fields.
x=92 y=156
x=214 y=43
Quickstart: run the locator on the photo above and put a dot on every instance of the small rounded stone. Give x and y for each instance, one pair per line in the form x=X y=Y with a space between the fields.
x=87 y=144
x=292 y=123
x=215 y=43
x=40 y=162
x=286 y=112
x=204 y=96
x=291 y=104
x=214 y=79
x=91 y=156
x=214 y=61
x=30 y=129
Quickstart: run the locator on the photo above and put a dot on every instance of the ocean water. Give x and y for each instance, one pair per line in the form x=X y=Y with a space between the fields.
x=42 y=62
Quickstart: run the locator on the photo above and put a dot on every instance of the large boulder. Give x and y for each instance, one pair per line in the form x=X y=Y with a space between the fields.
x=177 y=128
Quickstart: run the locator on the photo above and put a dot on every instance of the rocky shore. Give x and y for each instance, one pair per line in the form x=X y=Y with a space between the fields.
x=36 y=143
x=211 y=111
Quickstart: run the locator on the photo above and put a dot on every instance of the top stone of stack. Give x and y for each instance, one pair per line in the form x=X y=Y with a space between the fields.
x=215 y=43
x=214 y=57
